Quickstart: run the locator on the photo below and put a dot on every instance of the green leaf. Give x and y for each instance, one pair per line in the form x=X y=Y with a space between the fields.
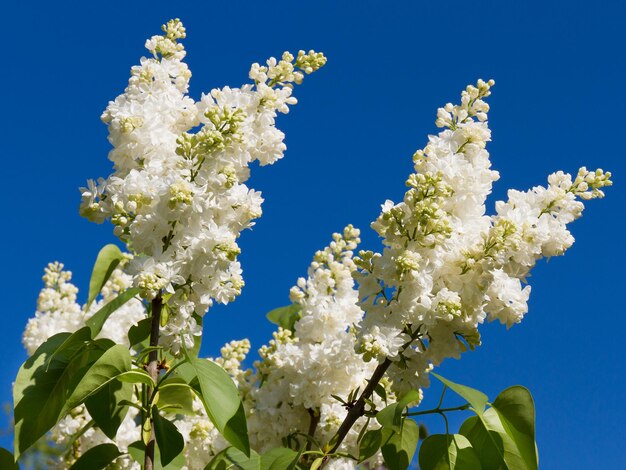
x=505 y=435
x=175 y=391
x=398 y=448
x=96 y=321
x=137 y=452
x=145 y=352
x=516 y=409
x=97 y=458
x=221 y=400
x=381 y=392
x=236 y=430
x=107 y=260
x=370 y=444
x=285 y=316
x=448 y=452
x=219 y=461
x=136 y=376
x=221 y=464
x=7 y=461
x=71 y=345
x=106 y=408
x=168 y=438
x=197 y=340
x=391 y=416
x=280 y=458
x=25 y=375
x=140 y=332
x=488 y=444
x=231 y=458
x=114 y=362
x=477 y=399
x=41 y=387
x=492 y=444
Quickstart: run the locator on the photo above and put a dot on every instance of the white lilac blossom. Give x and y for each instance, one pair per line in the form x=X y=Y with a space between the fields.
x=300 y=372
x=177 y=196
x=446 y=265
x=58 y=310
x=65 y=432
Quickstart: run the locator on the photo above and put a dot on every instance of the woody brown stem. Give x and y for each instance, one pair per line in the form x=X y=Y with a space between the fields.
x=153 y=370
x=358 y=409
x=315 y=419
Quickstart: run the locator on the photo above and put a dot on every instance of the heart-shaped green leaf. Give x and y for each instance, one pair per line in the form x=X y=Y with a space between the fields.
x=477 y=399
x=391 y=416
x=169 y=440
x=371 y=442
x=220 y=398
x=448 y=452
x=280 y=458
x=500 y=445
x=285 y=316
x=398 y=449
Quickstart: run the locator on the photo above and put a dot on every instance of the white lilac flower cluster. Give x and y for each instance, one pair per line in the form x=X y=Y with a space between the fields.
x=299 y=372
x=177 y=196
x=58 y=310
x=65 y=432
x=446 y=266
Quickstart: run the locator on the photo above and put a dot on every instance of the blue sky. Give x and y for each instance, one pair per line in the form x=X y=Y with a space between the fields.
x=560 y=73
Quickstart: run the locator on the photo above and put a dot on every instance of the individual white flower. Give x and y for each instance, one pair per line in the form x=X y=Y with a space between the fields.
x=508 y=301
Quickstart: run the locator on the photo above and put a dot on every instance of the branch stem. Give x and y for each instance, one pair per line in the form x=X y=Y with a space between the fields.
x=153 y=370
x=315 y=419
x=358 y=409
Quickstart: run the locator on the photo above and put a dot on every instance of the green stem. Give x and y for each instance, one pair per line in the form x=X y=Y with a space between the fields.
x=161 y=379
x=443 y=415
x=443 y=392
x=438 y=410
x=170 y=370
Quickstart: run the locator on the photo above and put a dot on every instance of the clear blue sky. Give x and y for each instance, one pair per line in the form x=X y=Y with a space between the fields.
x=560 y=72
